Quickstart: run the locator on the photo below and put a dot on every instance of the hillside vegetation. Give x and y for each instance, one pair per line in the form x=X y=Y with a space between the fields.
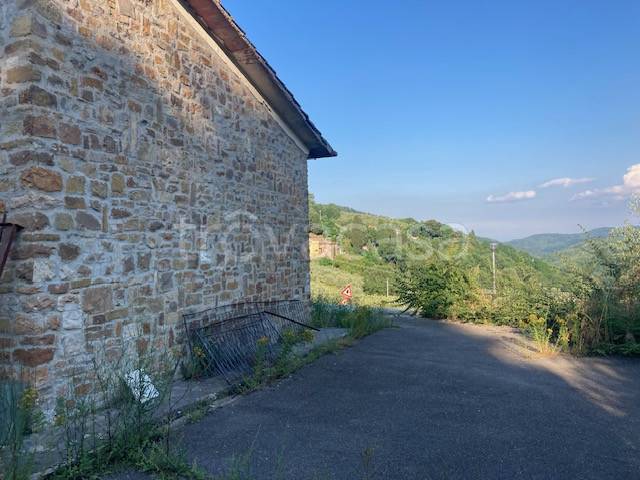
x=584 y=302
x=552 y=244
x=375 y=249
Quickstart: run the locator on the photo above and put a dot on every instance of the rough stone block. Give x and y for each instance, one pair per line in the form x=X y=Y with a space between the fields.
x=117 y=183
x=43 y=270
x=59 y=289
x=30 y=251
x=23 y=74
x=70 y=134
x=38 y=303
x=75 y=185
x=74 y=203
x=68 y=251
x=28 y=25
x=99 y=189
x=87 y=221
x=73 y=344
x=38 y=341
x=97 y=300
x=120 y=213
x=32 y=220
x=72 y=317
x=40 y=126
x=165 y=282
x=63 y=221
x=126 y=8
x=35 y=95
x=33 y=356
x=20 y=159
x=42 y=179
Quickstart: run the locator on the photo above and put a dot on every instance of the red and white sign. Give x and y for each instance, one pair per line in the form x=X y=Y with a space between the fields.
x=347 y=294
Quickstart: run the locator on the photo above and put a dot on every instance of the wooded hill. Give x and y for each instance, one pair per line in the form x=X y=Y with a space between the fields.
x=375 y=247
x=554 y=244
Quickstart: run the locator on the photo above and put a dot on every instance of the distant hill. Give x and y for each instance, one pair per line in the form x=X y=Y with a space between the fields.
x=548 y=244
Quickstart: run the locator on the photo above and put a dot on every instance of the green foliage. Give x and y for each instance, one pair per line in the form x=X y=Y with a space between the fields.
x=432 y=289
x=540 y=332
x=325 y=262
x=549 y=244
x=589 y=299
x=357 y=238
x=609 y=288
x=376 y=279
x=376 y=248
x=117 y=425
x=429 y=229
x=266 y=370
x=156 y=460
x=194 y=366
x=366 y=274
x=590 y=306
x=19 y=416
x=360 y=321
x=323 y=219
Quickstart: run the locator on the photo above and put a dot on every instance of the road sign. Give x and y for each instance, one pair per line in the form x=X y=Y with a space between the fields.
x=347 y=294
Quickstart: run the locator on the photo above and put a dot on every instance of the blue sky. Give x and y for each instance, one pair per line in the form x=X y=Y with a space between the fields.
x=461 y=110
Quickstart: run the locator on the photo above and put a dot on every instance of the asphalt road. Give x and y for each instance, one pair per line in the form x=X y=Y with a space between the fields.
x=432 y=400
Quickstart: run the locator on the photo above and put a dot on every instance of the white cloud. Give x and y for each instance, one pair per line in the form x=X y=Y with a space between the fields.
x=565 y=182
x=630 y=185
x=512 y=197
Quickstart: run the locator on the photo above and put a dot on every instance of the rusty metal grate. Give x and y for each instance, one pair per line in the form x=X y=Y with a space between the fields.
x=8 y=233
x=225 y=339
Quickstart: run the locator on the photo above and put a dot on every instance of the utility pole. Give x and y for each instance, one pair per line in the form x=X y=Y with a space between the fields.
x=387 y=287
x=493 y=263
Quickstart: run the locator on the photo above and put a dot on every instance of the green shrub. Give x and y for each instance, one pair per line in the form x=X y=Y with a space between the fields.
x=433 y=289
x=375 y=281
x=325 y=262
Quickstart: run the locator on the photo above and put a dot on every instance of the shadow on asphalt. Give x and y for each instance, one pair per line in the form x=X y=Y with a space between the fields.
x=433 y=400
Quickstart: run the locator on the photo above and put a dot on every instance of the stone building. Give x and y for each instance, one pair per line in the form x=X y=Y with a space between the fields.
x=158 y=166
x=321 y=247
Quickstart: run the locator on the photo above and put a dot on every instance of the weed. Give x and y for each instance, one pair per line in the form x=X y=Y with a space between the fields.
x=194 y=366
x=125 y=421
x=197 y=414
x=541 y=334
x=19 y=416
x=166 y=465
x=360 y=321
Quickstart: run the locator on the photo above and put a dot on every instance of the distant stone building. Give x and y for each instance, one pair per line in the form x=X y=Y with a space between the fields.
x=158 y=166
x=321 y=247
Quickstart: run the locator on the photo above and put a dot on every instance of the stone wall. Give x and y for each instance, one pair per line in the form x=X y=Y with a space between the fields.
x=151 y=179
x=320 y=247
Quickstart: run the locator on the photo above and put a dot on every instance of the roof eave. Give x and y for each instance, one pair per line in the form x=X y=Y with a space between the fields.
x=229 y=36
